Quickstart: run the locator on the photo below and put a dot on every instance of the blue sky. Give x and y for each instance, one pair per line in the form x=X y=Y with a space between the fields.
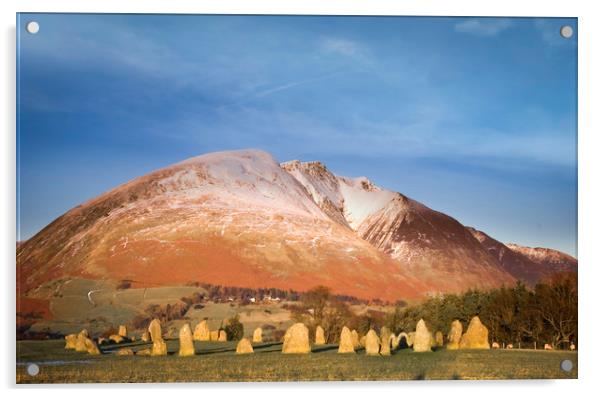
x=474 y=117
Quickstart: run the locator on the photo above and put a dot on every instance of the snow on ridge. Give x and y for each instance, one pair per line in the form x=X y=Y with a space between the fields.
x=244 y=177
x=356 y=198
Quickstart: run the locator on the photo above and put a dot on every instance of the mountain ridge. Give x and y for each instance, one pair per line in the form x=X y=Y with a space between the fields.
x=242 y=218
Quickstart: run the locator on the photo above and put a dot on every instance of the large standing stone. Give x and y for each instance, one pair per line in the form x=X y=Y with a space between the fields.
x=159 y=347
x=356 y=339
x=346 y=342
x=410 y=338
x=214 y=336
x=186 y=343
x=222 y=336
x=201 y=331
x=422 y=338
x=258 y=335
x=123 y=331
x=454 y=336
x=476 y=336
x=385 y=341
x=296 y=339
x=244 y=346
x=70 y=341
x=439 y=339
x=80 y=343
x=91 y=347
x=372 y=343
x=320 y=339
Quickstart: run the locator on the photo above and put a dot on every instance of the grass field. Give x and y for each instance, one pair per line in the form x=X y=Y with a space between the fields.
x=217 y=362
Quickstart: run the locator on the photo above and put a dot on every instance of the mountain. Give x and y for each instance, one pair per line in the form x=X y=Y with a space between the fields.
x=430 y=245
x=514 y=262
x=240 y=218
x=553 y=260
x=230 y=218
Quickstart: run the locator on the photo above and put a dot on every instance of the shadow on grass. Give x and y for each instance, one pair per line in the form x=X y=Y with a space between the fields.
x=324 y=348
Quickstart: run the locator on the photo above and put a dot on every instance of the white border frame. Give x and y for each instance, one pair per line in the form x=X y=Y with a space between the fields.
x=590 y=197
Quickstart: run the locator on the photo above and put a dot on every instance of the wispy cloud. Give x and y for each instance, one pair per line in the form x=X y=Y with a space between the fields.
x=484 y=27
x=341 y=47
x=279 y=88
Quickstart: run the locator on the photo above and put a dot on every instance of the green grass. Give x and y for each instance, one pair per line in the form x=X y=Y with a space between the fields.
x=217 y=362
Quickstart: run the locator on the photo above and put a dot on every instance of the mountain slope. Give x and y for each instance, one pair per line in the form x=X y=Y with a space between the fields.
x=430 y=245
x=515 y=263
x=232 y=218
x=553 y=260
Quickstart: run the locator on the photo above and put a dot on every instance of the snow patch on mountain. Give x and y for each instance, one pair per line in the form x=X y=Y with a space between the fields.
x=361 y=199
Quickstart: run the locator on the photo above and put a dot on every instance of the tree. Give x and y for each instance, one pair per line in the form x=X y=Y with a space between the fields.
x=557 y=306
x=234 y=328
x=316 y=300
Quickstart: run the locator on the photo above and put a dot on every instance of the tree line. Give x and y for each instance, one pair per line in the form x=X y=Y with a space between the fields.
x=546 y=313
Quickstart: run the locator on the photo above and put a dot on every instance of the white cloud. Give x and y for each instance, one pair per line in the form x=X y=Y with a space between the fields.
x=484 y=27
x=342 y=47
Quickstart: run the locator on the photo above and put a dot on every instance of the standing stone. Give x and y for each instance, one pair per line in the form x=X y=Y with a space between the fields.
x=439 y=339
x=91 y=347
x=123 y=331
x=356 y=339
x=201 y=331
x=70 y=341
x=80 y=343
x=258 y=335
x=186 y=343
x=346 y=342
x=159 y=347
x=145 y=336
x=422 y=338
x=222 y=336
x=363 y=341
x=476 y=336
x=124 y=351
x=393 y=342
x=454 y=336
x=385 y=341
x=296 y=339
x=410 y=338
x=214 y=336
x=244 y=346
x=372 y=343
x=404 y=336
x=320 y=339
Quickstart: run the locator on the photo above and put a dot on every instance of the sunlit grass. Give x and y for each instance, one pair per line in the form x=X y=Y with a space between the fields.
x=217 y=362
